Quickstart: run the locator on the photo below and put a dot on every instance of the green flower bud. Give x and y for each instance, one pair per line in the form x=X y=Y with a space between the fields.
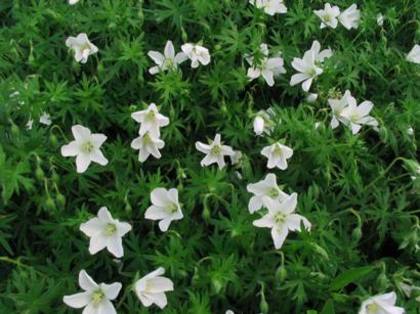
x=264 y=305
x=281 y=273
x=49 y=203
x=53 y=139
x=61 y=200
x=39 y=173
x=356 y=235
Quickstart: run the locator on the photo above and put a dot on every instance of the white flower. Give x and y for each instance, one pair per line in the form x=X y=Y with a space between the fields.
x=45 y=119
x=151 y=288
x=151 y=120
x=165 y=207
x=380 y=19
x=147 y=145
x=215 y=152
x=338 y=105
x=277 y=155
x=262 y=122
x=264 y=191
x=270 y=7
x=414 y=54
x=86 y=148
x=229 y=312
x=71 y=2
x=268 y=68
x=355 y=116
x=29 y=124
x=105 y=232
x=309 y=66
x=350 y=17
x=95 y=298
x=381 y=304
x=166 y=61
x=197 y=54
x=235 y=159
x=82 y=47
x=311 y=97
x=258 y=125
x=328 y=16
x=281 y=219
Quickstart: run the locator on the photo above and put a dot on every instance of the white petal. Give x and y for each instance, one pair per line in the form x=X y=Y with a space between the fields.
x=70 y=150
x=86 y=282
x=82 y=162
x=77 y=300
x=97 y=243
x=204 y=148
x=105 y=215
x=160 y=300
x=160 y=284
x=306 y=85
x=294 y=220
x=164 y=224
x=98 y=157
x=92 y=227
x=106 y=307
x=157 y=57
x=264 y=222
x=114 y=246
x=279 y=236
x=123 y=228
x=156 y=213
x=160 y=197
x=111 y=291
x=169 y=50
x=297 y=78
x=255 y=203
x=80 y=133
x=269 y=77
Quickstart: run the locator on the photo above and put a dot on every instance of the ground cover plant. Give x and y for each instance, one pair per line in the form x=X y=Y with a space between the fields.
x=209 y=156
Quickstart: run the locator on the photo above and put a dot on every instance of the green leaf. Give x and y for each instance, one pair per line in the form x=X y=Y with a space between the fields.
x=328 y=307
x=350 y=276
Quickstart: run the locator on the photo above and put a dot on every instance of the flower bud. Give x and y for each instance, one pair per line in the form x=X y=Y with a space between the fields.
x=53 y=139
x=39 y=173
x=281 y=273
x=258 y=125
x=312 y=97
x=263 y=305
x=356 y=235
x=61 y=200
x=49 y=203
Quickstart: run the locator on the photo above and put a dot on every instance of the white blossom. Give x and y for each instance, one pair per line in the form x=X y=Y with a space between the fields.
x=151 y=288
x=215 y=152
x=380 y=19
x=197 y=54
x=264 y=191
x=328 y=15
x=166 y=61
x=282 y=219
x=350 y=17
x=309 y=66
x=82 y=47
x=355 y=116
x=277 y=155
x=105 y=232
x=165 y=207
x=29 y=124
x=96 y=298
x=381 y=304
x=263 y=122
x=270 y=7
x=148 y=144
x=235 y=159
x=71 y=2
x=337 y=107
x=45 y=119
x=414 y=54
x=150 y=120
x=85 y=147
x=266 y=67
x=311 y=97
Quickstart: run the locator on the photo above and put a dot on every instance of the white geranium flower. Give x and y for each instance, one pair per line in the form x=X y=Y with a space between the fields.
x=262 y=122
x=277 y=155
x=309 y=66
x=45 y=119
x=215 y=152
x=268 y=68
x=270 y=7
x=166 y=61
x=29 y=124
x=264 y=191
x=71 y=2
x=282 y=219
x=229 y=312
x=328 y=16
x=414 y=54
x=151 y=288
x=86 y=148
x=105 y=232
x=150 y=120
x=355 y=116
x=381 y=304
x=165 y=207
x=338 y=105
x=380 y=19
x=311 y=97
x=147 y=145
x=197 y=54
x=235 y=159
x=350 y=17
x=96 y=298
x=82 y=47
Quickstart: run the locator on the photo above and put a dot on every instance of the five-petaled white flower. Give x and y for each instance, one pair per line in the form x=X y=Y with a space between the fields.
x=197 y=54
x=337 y=107
x=151 y=288
x=45 y=119
x=282 y=219
x=264 y=190
x=86 y=148
x=166 y=61
x=82 y=47
x=414 y=54
x=309 y=66
x=96 y=298
x=150 y=120
x=71 y=2
x=328 y=15
x=277 y=155
x=355 y=116
x=165 y=207
x=266 y=67
x=270 y=7
x=350 y=17
x=105 y=232
x=215 y=152
x=381 y=304
x=147 y=144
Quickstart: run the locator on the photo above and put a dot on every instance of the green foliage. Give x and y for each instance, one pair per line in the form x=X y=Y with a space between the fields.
x=361 y=192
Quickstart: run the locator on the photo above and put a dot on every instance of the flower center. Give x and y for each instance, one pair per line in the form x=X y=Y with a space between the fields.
x=97 y=297
x=216 y=150
x=372 y=308
x=279 y=218
x=327 y=18
x=278 y=151
x=172 y=208
x=150 y=116
x=169 y=63
x=87 y=147
x=273 y=193
x=146 y=139
x=110 y=229
x=312 y=72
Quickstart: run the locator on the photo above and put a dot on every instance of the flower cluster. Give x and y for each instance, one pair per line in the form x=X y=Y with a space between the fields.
x=331 y=15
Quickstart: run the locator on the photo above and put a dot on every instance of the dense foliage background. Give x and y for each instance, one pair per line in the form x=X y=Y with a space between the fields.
x=360 y=192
